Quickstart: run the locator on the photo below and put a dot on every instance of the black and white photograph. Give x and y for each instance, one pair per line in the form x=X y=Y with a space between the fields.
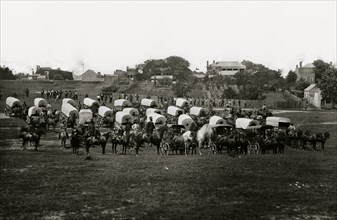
x=187 y=109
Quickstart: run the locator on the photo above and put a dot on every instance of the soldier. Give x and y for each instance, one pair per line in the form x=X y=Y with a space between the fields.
x=149 y=127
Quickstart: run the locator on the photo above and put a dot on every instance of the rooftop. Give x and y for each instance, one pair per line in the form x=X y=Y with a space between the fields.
x=228 y=64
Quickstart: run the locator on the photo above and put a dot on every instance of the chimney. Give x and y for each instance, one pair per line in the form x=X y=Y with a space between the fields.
x=213 y=61
x=301 y=64
x=127 y=69
x=207 y=64
x=37 y=67
x=296 y=66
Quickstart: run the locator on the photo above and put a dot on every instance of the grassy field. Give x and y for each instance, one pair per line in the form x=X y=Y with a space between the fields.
x=54 y=184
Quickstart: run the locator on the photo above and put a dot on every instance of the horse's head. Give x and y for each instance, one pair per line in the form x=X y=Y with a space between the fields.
x=326 y=135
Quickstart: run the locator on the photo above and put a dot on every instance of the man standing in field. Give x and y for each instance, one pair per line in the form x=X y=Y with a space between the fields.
x=27 y=92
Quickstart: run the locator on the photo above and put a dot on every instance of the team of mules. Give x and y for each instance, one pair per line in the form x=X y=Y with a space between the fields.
x=189 y=142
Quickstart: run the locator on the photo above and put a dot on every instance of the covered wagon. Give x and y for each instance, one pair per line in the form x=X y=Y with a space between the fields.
x=69 y=101
x=185 y=120
x=217 y=120
x=157 y=119
x=244 y=123
x=91 y=104
x=198 y=111
x=180 y=102
x=104 y=111
x=153 y=110
x=69 y=111
x=105 y=116
x=132 y=111
x=34 y=111
x=122 y=103
x=13 y=107
x=123 y=118
x=149 y=103
x=278 y=122
x=84 y=116
x=69 y=114
x=40 y=102
x=174 y=111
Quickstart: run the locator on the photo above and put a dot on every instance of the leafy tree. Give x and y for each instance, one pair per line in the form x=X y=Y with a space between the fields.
x=328 y=85
x=229 y=93
x=181 y=89
x=320 y=69
x=165 y=81
x=6 y=73
x=253 y=67
x=301 y=85
x=291 y=77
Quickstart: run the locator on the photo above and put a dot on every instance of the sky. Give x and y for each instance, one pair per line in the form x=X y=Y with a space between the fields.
x=110 y=35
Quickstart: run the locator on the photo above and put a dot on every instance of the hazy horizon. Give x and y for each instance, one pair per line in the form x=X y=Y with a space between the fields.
x=110 y=35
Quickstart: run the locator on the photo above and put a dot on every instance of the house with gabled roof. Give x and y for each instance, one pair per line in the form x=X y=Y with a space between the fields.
x=312 y=94
x=224 y=68
x=92 y=76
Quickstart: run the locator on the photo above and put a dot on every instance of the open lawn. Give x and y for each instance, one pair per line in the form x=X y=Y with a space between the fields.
x=54 y=184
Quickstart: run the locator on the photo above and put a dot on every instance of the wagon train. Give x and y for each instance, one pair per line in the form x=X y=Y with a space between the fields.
x=173 y=113
x=157 y=119
x=154 y=110
x=13 y=107
x=122 y=118
x=198 y=111
x=41 y=103
x=69 y=101
x=120 y=104
x=91 y=104
x=148 y=103
x=105 y=116
x=186 y=121
x=69 y=115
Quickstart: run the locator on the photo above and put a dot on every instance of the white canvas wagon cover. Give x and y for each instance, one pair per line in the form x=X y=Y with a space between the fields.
x=68 y=110
x=13 y=102
x=180 y=102
x=198 y=111
x=278 y=121
x=85 y=115
x=69 y=101
x=185 y=120
x=244 y=123
x=40 y=102
x=153 y=110
x=123 y=118
x=89 y=102
x=216 y=120
x=132 y=111
x=122 y=103
x=148 y=102
x=156 y=118
x=34 y=110
x=174 y=111
x=104 y=111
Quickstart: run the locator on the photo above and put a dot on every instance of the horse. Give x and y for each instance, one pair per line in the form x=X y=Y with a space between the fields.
x=52 y=122
x=155 y=140
x=115 y=140
x=103 y=139
x=75 y=141
x=63 y=136
x=316 y=138
x=31 y=136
